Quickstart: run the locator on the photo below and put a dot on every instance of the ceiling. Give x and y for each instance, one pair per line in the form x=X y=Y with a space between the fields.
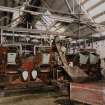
x=76 y=18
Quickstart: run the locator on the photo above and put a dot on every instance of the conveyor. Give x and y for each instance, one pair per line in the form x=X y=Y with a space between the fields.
x=76 y=74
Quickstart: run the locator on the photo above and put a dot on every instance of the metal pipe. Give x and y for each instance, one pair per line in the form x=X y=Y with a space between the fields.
x=36 y=31
x=1 y=36
x=68 y=5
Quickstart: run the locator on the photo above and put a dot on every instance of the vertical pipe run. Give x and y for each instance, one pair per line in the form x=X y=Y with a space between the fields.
x=1 y=36
x=13 y=37
x=92 y=40
x=73 y=7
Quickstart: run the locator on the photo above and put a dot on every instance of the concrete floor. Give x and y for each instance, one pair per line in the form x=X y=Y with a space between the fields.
x=33 y=99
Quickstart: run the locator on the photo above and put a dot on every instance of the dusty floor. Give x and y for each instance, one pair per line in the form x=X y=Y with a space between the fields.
x=33 y=99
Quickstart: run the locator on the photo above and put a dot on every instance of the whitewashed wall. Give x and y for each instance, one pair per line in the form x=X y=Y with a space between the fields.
x=100 y=48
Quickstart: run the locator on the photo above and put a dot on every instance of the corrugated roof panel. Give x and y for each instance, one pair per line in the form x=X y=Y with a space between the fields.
x=90 y=3
x=100 y=19
x=97 y=10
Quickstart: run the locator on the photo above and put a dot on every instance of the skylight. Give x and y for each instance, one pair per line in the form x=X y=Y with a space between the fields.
x=97 y=10
x=48 y=20
x=90 y=3
x=100 y=19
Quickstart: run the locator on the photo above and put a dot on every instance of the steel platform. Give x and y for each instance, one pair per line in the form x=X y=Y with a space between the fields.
x=92 y=93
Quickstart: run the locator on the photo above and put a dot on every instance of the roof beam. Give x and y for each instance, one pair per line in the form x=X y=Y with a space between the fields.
x=82 y=3
x=56 y=17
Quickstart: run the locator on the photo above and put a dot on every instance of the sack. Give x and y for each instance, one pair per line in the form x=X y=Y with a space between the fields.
x=83 y=58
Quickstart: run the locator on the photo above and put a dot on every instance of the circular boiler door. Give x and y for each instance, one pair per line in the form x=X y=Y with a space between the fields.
x=25 y=75
x=34 y=74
